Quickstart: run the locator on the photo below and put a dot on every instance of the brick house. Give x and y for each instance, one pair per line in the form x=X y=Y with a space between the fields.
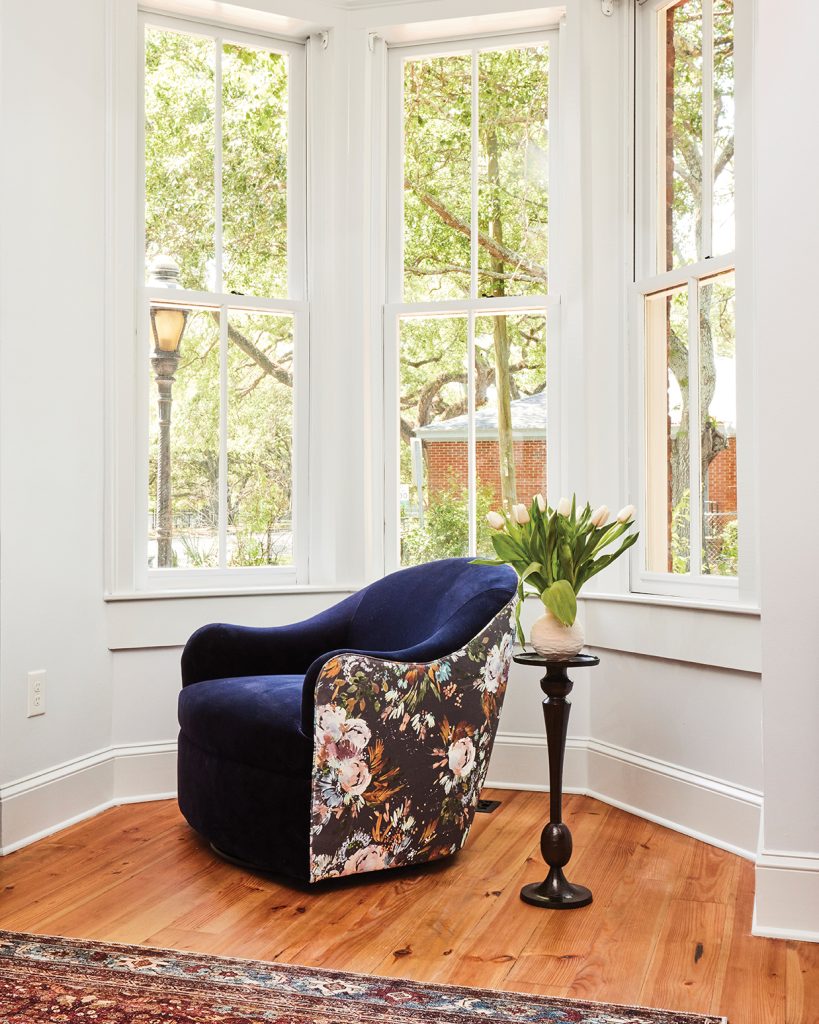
x=444 y=447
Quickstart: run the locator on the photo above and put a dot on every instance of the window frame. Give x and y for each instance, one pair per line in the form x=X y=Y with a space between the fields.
x=647 y=281
x=470 y=307
x=294 y=305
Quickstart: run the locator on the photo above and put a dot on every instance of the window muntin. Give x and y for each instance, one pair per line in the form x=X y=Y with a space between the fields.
x=224 y=198
x=685 y=298
x=696 y=132
x=469 y=258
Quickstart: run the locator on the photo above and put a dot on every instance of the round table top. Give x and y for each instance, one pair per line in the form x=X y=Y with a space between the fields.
x=539 y=661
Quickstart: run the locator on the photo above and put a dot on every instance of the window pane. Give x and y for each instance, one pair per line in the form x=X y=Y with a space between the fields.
x=510 y=414
x=179 y=153
x=668 y=488
x=254 y=170
x=680 y=162
x=437 y=177
x=184 y=514
x=513 y=171
x=724 y=119
x=260 y=439
x=434 y=461
x=718 y=402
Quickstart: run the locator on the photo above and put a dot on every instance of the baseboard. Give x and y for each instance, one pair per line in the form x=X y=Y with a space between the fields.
x=786 y=904
x=708 y=809
x=46 y=802
x=519 y=761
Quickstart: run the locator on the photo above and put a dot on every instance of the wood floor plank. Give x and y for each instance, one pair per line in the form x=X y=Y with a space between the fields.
x=669 y=925
x=684 y=970
x=563 y=941
x=624 y=944
x=494 y=947
x=753 y=988
x=802 y=983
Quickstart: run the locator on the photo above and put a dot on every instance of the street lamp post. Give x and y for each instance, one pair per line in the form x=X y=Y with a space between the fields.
x=167 y=327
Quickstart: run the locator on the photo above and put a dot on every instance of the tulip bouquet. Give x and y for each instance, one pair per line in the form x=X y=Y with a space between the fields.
x=556 y=551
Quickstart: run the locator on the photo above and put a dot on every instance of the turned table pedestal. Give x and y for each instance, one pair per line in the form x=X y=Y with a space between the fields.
x=556 y=892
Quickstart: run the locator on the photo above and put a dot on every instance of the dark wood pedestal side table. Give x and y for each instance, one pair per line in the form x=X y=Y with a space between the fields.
x=556 y=892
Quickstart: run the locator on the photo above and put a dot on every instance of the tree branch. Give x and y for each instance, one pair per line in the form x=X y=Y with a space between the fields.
x=494 y=248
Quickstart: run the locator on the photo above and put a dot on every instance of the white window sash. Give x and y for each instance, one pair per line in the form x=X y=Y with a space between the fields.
x=649 y=252
x=295 y=305
x=470 y=307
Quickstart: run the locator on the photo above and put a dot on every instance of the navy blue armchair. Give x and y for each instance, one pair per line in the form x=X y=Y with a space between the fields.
x=354 y=741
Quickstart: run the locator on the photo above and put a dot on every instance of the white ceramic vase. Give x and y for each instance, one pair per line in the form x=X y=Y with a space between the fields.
x=551 y=639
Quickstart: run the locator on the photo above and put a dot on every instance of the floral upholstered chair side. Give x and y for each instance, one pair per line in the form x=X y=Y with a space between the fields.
x=401 y=752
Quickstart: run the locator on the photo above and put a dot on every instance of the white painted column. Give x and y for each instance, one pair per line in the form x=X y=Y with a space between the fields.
x=787 y=234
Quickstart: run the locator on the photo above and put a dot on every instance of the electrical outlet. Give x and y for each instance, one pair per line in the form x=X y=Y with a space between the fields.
x=36 y=693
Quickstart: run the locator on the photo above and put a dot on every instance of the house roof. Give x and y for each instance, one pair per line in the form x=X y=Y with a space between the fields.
x=528 y=421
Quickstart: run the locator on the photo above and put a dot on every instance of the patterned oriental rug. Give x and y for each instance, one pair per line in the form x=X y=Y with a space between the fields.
x=71 y=981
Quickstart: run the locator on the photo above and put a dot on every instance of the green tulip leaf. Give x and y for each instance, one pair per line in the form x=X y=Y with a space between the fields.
x=561 y=601
x=531 y=568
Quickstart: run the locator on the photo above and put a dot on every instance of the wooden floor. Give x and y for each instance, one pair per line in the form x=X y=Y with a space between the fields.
x=669 y=926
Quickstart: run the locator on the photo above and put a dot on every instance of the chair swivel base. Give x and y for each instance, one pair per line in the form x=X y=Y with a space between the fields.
x=246 y=864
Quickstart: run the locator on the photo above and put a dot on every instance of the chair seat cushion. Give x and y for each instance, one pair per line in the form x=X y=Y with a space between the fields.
x=252 y=720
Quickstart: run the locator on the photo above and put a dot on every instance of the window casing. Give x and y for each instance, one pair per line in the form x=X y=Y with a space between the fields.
x=465 y=354
x=691 y=363
x=246 y=329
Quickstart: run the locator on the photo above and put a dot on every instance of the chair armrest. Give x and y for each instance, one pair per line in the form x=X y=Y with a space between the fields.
x=440 y=644
x=221 y=650
x=401 y=750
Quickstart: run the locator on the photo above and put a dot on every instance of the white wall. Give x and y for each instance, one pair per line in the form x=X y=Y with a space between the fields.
x=787 y=223
x=52 y=183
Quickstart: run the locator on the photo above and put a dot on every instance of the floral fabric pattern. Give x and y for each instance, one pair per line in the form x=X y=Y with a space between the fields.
x=401 y=752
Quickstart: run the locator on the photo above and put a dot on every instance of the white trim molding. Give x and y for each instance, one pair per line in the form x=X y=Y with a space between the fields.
x=712 y=810
x=720 y=813
x=518 y=758
x=48 y=801
x=786 y=905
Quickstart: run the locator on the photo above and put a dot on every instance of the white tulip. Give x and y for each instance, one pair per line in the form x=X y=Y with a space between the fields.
x=564 y=507
x=519 y=514
x=599 y=516
x=495 y=520
x=625 y=515
x=541 y=502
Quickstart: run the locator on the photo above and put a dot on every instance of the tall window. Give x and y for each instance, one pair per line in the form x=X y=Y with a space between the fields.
x=468 y=287
x=223 y=292
x=686 y=296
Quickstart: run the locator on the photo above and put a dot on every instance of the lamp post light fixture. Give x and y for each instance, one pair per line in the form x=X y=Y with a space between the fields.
x=167 y=327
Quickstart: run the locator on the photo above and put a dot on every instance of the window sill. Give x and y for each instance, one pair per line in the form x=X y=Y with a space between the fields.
x=696 y=604
x=185 y=593
x=155 y=619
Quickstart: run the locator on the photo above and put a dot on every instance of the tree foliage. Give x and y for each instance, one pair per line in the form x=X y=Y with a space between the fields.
x=685 y=242
x=180 y=105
